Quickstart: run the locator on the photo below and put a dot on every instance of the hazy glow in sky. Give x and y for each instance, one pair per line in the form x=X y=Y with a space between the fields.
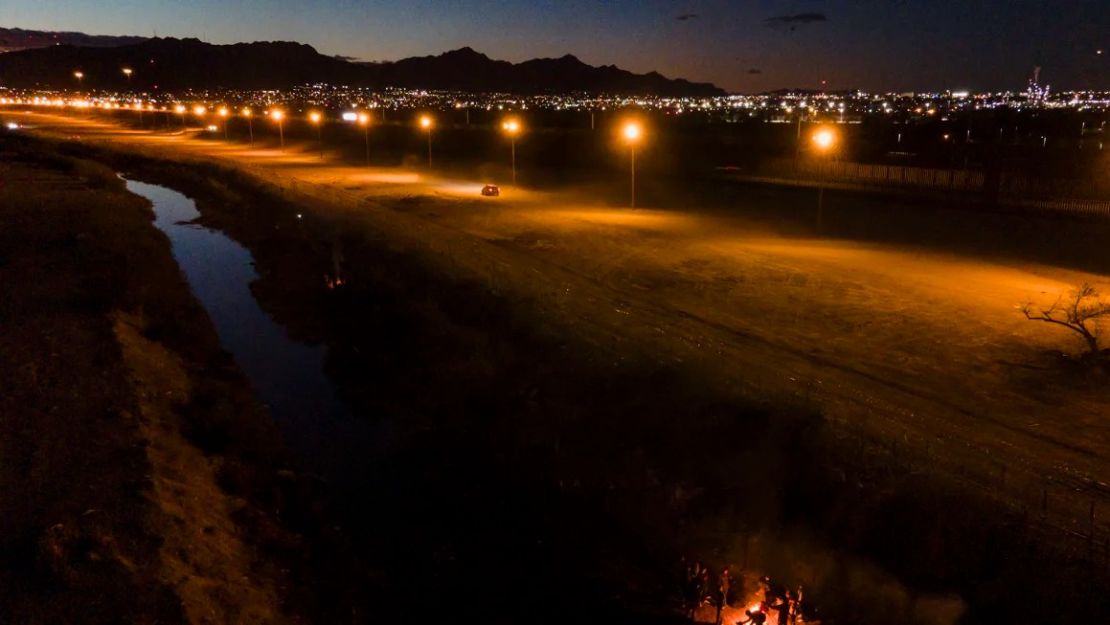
x=742 y=45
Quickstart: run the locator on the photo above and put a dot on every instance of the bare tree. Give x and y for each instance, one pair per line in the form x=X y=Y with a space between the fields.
x=1080 y=312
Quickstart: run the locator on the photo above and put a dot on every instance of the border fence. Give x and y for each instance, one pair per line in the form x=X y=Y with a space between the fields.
x=1004 y=188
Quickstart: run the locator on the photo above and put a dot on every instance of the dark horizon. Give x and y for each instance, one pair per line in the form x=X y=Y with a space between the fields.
x=126 y=40
x=803 y=44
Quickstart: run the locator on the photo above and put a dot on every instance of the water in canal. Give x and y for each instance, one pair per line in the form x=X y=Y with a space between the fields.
x=286 y=375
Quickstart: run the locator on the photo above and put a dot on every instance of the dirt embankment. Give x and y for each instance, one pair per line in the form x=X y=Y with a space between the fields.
x=133 y=459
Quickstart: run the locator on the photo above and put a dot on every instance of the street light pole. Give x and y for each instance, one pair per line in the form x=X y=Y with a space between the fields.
x=798 y=143
x=80 y=76
x=250 y=123
x=315 y=117
x=632 y=132
x=426 y=124
x=199 y=111
x=277 y=116
x=512 y=128
x=364 y=119
x=632 y=151
x=224 y=116
x=824 y=140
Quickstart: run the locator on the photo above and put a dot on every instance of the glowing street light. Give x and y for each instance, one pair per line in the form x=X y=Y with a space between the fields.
x=512 y=128
x=426 y=123
x=364 y=121
x=80 y=76
x=180 y=110
x=127 y=72
x=632 y=133
x=315 y=118
x=824 y=139
x=199 y=110
x=246 y=112
x=278 y=116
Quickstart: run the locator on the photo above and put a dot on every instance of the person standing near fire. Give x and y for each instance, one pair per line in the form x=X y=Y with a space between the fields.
x=794 y=613
x=693 y=592
x=724 y=585
x=782 y=606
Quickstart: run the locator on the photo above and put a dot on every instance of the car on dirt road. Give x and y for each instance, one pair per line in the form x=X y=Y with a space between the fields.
x=491 y=190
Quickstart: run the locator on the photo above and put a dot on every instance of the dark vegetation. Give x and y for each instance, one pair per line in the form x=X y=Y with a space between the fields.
x=522 y=474
x=1082 y=312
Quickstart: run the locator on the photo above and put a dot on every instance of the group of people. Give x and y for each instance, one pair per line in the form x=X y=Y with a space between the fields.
x=704 y=588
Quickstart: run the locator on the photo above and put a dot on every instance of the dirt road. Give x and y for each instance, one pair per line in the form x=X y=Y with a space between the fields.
x=922 y=351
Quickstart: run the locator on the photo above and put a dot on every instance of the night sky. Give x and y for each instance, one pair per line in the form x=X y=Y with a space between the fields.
x=743 y=46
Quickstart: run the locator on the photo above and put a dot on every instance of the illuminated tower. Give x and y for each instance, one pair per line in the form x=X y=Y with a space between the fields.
x=1034 y=91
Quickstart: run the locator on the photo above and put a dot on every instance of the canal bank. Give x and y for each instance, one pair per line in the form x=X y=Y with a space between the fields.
x=115 y=508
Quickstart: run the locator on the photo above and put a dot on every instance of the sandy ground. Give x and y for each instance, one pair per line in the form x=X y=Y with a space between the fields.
x=924 y=350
